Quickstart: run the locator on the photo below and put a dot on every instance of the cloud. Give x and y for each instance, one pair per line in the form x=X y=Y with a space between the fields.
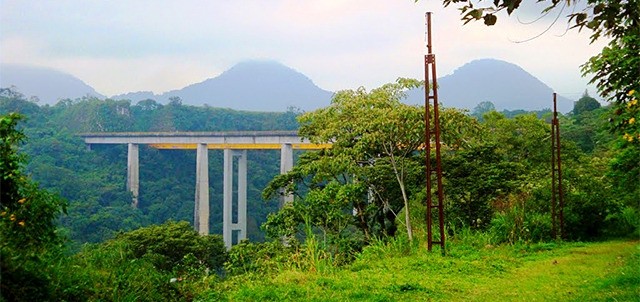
x=122 y=46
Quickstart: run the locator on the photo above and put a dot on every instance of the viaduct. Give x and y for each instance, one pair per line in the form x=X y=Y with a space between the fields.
x=235 y=145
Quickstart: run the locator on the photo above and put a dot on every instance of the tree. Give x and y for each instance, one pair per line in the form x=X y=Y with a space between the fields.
x=375 y=141
x=27 y=221
x=366 y=128
x=372 y=125
x=482 y=108
x=476 y=177
x=585 y=103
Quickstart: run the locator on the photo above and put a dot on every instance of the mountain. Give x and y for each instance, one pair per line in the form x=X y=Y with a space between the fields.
x=48 y=85
x=506 y=85
x=250 y=85
x=271 y=86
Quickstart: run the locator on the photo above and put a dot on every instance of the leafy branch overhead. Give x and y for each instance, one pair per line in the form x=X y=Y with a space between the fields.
x=605 y=18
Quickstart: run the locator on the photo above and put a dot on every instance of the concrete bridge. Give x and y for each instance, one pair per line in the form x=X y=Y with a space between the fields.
x=235 y=145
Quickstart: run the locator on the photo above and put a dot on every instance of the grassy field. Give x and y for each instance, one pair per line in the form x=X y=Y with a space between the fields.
x=603 y=271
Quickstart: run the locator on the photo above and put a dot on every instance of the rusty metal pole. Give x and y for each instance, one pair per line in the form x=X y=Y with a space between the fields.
x=427 y=135
x=559 y=160
x=553 y=172
x=430 y=67
x=436 y=119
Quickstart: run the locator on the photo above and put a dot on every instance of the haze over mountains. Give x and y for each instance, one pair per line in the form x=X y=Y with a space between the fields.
x=49 y=85
x=271 y=86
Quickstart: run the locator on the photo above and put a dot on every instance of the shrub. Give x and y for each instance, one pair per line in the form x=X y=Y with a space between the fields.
x=517 y=225
x=624 y=223
x=247 y=257
x=166 y=245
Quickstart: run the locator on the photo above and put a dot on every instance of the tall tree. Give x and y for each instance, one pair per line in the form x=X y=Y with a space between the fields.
x=585 y=103
x=373 y=131
x=27 y=222
x=482 y=108
x=371 y=125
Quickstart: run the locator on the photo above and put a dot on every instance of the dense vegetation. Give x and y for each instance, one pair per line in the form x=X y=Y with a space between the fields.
x=359 y=205
x=93 y=180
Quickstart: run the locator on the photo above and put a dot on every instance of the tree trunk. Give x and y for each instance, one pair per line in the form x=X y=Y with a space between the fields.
x=400 y=179
x=406 y=212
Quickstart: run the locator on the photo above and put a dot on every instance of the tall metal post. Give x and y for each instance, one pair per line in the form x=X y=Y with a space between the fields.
x=554 y=228
x=557 y=194
x=432 y=95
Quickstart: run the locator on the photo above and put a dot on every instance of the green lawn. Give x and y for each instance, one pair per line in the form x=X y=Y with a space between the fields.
x=604 y=271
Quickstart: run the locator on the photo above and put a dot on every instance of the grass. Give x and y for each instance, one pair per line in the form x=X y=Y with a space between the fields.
x=605 y=271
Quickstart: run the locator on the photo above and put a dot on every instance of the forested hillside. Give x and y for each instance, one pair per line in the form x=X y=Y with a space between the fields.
x=93 y=181
x=358 y=205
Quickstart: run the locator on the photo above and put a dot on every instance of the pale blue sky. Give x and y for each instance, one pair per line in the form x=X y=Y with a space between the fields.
x=124 y=46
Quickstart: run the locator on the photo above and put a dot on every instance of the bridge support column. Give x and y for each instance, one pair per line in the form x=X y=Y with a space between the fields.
x=201 y=208
x=286 y=164
x=228 y=226
x=133 y=173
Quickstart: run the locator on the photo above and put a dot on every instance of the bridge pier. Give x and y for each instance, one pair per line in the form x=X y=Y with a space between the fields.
x=234 y=143
x=228 y=226
x=133 y=172
x=201 y=208
x=286 y=164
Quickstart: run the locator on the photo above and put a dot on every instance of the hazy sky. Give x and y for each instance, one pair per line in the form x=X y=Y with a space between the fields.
x=124 y=46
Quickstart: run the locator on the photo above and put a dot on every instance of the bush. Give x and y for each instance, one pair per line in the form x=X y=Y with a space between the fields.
x=260 y=258
x=624 y=223
x=109 y=272
x=166 y=245
x=140 y=265
x=517 y=225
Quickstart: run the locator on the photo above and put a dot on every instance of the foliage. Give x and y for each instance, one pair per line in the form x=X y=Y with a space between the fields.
x=604 y=18
x=109 y=272
x=584 y=104
x=476 y=272
x=588 y=130
x=616 y=70
x=482 y=108
x=365 y=126
x=27 y=221
x=517 y=223
x=257 y=258
x=345 y=216
x=168 y=244
x=374 y=139
x=93 y=181
x=470 y=202
x=624 y=173
x=168 y=262
x=625 y=118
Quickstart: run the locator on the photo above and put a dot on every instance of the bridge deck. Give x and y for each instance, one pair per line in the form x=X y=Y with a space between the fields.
x=241 y=140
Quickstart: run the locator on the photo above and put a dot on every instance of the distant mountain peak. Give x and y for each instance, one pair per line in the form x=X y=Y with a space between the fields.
x=488 y=63
x=264 y=70
x=259 y=85
x=258 y=64
x=506 y=85
x=48 y=84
